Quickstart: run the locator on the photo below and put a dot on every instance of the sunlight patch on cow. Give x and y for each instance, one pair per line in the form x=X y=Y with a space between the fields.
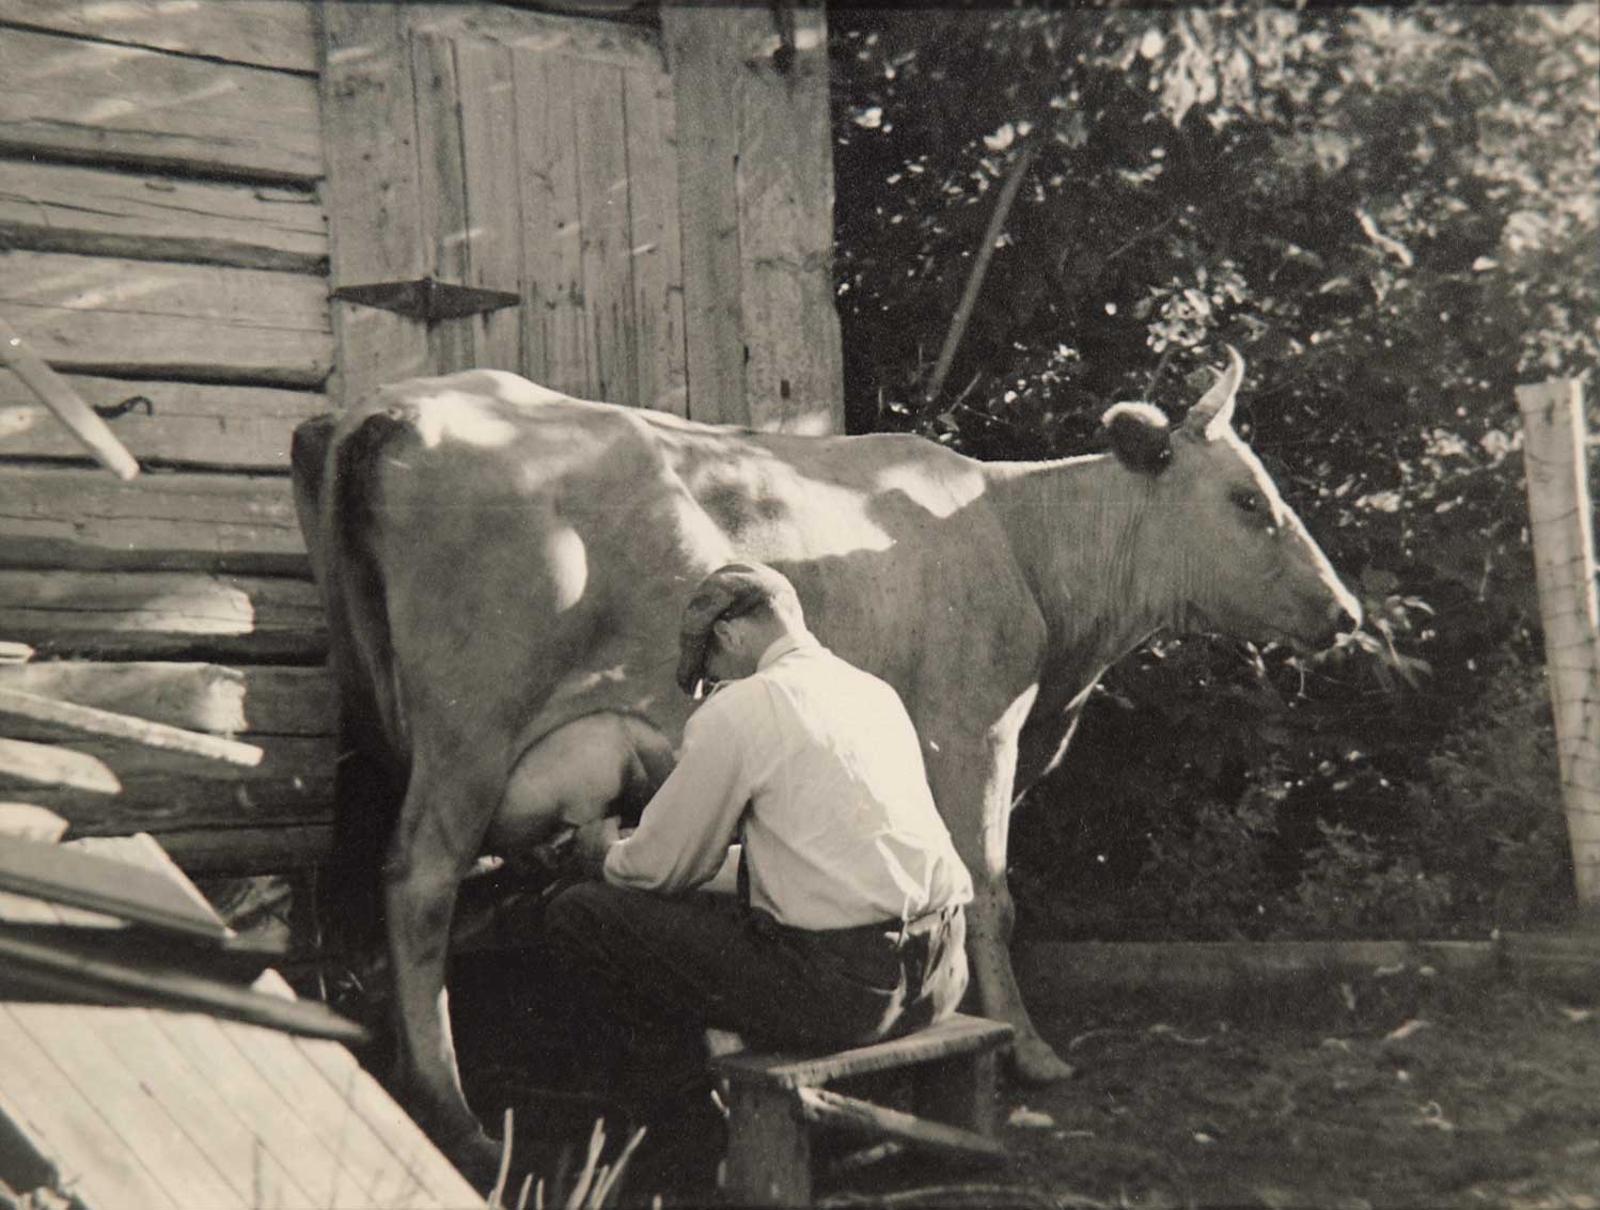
x=567 y=561
x=456 y=415
x=517 y=390
x=941 y=497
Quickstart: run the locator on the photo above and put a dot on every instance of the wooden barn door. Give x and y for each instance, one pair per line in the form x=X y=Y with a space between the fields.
x=516 y=152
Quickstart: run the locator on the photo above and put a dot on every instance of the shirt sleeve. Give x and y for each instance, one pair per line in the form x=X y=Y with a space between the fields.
x=685 y=829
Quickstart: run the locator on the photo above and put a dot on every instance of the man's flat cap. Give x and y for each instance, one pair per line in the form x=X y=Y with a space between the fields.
x=731 y=590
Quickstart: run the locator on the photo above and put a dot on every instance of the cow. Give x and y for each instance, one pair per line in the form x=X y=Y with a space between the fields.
x=504 y=569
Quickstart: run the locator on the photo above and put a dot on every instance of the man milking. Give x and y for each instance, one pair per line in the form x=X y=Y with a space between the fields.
x=849 y=926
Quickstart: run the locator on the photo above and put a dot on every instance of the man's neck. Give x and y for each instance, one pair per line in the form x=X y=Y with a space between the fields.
x=782 y=646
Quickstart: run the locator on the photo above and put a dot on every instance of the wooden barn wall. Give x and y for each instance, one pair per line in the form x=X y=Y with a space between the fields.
x=180 y=186
x=162 y=235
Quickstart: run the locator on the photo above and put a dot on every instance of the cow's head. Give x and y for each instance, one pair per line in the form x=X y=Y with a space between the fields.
x=1240 y=559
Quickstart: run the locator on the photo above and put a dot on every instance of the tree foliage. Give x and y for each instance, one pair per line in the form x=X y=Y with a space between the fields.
x=1393 y=213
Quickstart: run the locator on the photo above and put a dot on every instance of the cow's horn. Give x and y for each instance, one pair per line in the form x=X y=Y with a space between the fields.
x=1214 y=413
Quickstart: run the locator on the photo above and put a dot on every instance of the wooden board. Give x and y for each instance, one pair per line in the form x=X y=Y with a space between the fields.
x=187 y=423
x=121 y=615
x=489 y=118
x=86 y=519
x=603 y=221
x=794 y=375
x=959 y=1034
x=612 y=43
x=703 y=48
x=553 y=318
x=264 y=33
x=373 y=192
x=202 y=697
x=155 y=319
x=655 y=246
x=164 y=791
x=283 y=848
x=76 y=208
x=91 y=100
x=446 y=238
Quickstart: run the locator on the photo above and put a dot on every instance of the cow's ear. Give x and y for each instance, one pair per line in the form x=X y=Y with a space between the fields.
x=1213 y=414
x=1140 y=437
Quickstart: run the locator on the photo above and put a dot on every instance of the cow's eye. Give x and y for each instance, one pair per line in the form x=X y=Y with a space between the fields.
x=1249 y=501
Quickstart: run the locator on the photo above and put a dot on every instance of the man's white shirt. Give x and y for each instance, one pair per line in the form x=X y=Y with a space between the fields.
x=842 y=829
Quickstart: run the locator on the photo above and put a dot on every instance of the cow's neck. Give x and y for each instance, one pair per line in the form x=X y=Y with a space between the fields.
x=1075 y=526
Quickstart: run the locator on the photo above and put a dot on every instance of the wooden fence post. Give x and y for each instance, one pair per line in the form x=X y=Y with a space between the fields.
x=1555 y=455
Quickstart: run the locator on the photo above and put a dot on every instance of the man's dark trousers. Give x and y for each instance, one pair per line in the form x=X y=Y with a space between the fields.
x=675 y=965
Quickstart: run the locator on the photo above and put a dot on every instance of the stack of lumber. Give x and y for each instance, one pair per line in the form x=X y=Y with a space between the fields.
x=162 y=236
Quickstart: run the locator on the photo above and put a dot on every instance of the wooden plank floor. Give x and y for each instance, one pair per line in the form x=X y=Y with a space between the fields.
x=144 y=1108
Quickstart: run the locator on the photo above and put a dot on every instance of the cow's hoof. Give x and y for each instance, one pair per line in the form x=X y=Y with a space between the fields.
x=1034 y=1062
x=477 y=1157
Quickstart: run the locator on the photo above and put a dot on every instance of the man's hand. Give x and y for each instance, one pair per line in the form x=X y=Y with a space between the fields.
x=592 y=842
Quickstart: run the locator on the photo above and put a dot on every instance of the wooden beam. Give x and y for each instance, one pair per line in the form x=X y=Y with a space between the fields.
x=87 y=100
x=170 y=791
x=82 y=519
x=833 y=1109
x=115 y=725
x=199 y=697
x=1559 y=511
x=262 y=33
x=233 y=427
x=129 y=615
x=105 y=212
x=282 y=849
x=373 y=190
x=959 y=1034
x=85 y=425
x=154 y=319
x=58 y=770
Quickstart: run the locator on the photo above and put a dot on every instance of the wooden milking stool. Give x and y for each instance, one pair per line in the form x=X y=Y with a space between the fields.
x=775 y=1100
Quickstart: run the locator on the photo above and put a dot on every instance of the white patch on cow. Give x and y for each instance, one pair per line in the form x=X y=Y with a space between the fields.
x=808 y=424
x=457 y=415
x=568 y=561
x=517 y=390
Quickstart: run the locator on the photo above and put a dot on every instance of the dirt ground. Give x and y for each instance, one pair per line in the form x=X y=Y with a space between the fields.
x=1401 y=1089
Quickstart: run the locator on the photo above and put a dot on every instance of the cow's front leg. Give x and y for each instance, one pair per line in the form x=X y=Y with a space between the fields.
x=973 y=789
x=430 y=854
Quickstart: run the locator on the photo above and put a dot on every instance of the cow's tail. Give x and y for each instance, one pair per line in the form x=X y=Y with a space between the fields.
x=335 y=495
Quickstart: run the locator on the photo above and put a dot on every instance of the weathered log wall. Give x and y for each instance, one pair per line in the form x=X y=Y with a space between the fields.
x=162 y=235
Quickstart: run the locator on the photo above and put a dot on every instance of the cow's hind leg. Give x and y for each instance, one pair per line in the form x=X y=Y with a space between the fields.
x=446 y=811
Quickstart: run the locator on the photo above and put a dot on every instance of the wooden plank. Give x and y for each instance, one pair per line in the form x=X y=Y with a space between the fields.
x=603 y=216
x=373 y=192
x=167 y=791
x=489 y=120
x=76 y=416
x=263 y=33
x=388 y=1122
x=154 y=319
x=959 y=1034
x=74 y=1039
x=18 y=704
x=273 y=1116
x=703 y=48
x=383 y=1175
x=222 y=1133
x=876 y=1121
x=655 y=245
x=98 y=101
x=794 y=377
x=122 y=615
x=554 y=346
x=96 y=211
x=202 y=697
x=769 y=1147
x=613 y=43
x=48 y=771
x=186 y=423
x=142 y=850
x=282 y=848
x=86 y=519
x=106 y=882
x=444 y=191
x=71 y=1126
